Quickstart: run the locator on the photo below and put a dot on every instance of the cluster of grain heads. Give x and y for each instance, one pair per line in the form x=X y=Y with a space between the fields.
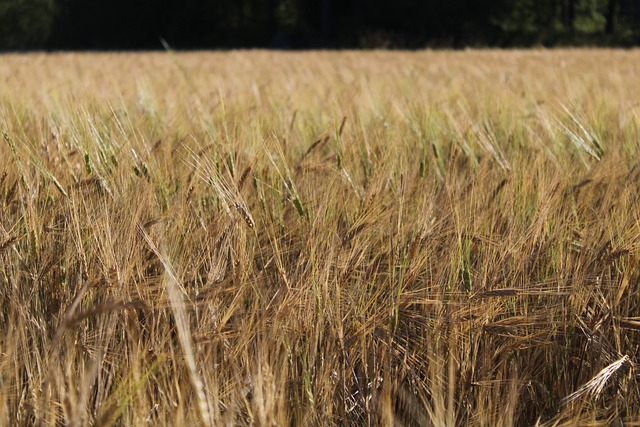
x=368 y=238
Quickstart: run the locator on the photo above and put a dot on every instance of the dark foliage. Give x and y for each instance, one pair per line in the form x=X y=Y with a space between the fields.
x=293 y=24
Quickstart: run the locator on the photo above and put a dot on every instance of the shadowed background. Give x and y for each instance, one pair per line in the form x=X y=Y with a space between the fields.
x=304 y=24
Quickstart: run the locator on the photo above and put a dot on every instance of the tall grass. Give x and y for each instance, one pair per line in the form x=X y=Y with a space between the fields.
x=371 y=238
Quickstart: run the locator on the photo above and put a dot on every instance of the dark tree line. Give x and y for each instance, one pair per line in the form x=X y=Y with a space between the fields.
x=198 y=24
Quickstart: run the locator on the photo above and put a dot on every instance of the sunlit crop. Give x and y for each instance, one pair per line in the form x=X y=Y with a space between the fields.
x=320 y=238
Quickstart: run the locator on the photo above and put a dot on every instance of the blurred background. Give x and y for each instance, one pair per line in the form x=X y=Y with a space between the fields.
x=305 y=24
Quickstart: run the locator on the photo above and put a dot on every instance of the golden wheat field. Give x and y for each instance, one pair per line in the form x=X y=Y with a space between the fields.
x=320 y=238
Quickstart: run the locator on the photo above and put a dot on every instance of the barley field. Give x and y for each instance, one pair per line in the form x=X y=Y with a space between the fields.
x=320 y=238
